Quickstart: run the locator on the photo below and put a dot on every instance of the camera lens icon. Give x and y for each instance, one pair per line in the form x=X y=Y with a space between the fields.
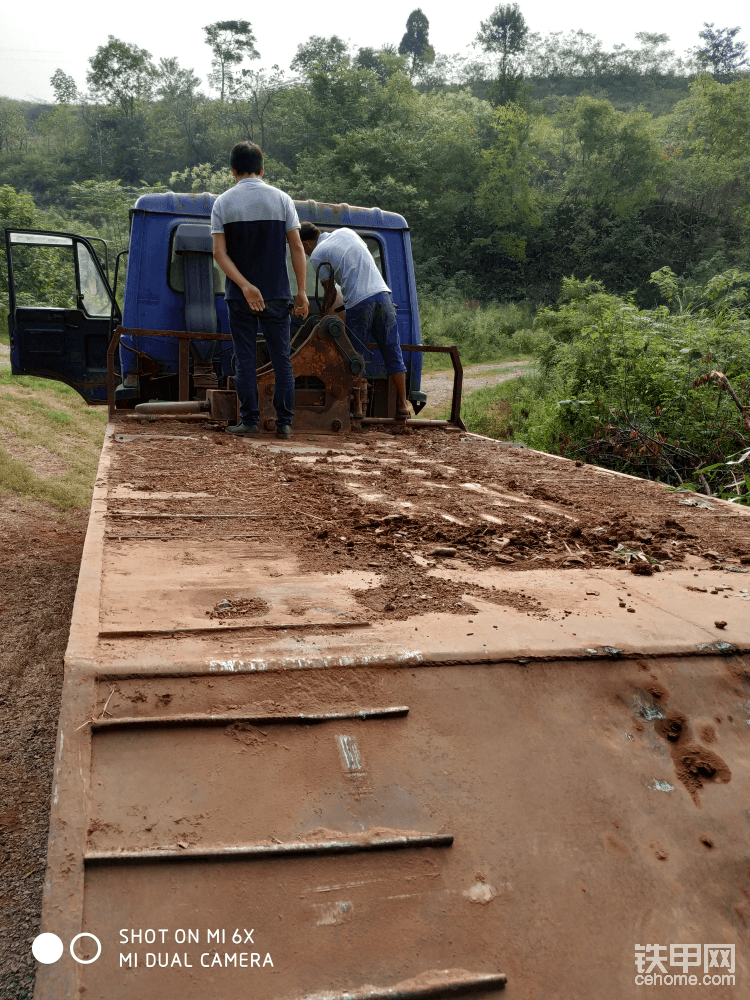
x=48 y=948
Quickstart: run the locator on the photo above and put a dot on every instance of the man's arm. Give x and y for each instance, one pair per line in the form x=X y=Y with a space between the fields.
x=299 y=263
x=252 y=294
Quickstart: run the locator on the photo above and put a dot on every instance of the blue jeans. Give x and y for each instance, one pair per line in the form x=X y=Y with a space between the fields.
x=374 y=319
x=274 y=324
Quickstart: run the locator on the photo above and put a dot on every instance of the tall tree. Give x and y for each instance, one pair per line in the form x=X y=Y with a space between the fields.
x=720 y=52
x=504 y=34
x=257 y=93
x=121 y=74
x=416 y=41
x=173 y=81
x=231 y=42
x=64 y=87
x=321 y=55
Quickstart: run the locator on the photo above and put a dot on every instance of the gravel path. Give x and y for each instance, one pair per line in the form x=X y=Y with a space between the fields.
x=439 y=385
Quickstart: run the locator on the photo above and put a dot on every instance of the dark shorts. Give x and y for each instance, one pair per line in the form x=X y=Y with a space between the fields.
x=373 y=320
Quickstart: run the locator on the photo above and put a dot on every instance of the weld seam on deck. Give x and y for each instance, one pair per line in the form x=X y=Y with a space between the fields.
x=234 y=667
x=272 y=850
x=137 y=633
x=452 y=987
x=197 y=719
x=117 y=537
x=145 y=515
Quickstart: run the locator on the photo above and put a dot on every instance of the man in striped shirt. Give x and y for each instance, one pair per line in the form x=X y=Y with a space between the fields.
x=251 y=225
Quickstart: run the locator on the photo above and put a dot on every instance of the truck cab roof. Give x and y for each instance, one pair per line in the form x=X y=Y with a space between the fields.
x=201 y=204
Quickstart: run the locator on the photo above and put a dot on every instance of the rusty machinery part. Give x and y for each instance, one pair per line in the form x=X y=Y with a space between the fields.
x=341 y=350
x=146 y=364
x=204 y=375
x=329 y=382
x=219 y=404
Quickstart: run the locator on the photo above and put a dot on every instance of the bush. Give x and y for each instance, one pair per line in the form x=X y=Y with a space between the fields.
x=482 y=332
x=658 y=393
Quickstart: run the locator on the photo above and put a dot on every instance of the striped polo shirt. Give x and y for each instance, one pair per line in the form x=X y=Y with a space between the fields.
x=255 y=219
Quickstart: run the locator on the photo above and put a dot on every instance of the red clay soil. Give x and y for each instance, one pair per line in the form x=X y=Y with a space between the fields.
x=386 y=502
x=39 y=559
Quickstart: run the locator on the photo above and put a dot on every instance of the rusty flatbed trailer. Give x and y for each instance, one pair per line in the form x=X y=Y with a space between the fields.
x=308 y=794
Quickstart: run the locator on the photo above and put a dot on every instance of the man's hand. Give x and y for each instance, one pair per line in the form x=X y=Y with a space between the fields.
x=301 y=305
x=253 y=297
x=252 y=294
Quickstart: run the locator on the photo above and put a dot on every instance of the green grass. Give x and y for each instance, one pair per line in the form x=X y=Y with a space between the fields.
x=49 y=440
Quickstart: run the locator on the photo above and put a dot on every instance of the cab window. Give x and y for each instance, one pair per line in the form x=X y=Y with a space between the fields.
x=44 y=271
x=176 y=275
x=373 y=245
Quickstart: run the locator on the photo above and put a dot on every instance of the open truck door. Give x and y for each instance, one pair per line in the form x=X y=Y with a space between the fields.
x=62 y=310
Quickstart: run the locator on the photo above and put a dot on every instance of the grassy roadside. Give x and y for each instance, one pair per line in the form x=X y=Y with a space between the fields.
x=49 y=440
x=484 y=334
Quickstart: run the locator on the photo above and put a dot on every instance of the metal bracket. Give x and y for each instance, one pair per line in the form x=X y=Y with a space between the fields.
x=458 y=380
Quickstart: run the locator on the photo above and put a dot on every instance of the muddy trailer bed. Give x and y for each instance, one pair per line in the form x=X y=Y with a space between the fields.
x=394 y=718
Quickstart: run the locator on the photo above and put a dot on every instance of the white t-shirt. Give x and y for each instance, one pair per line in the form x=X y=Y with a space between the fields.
x=353 y=266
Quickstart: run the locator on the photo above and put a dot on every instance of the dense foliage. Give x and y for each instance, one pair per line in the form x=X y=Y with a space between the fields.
x=662 y=393
x=545 y=170
x=541 y=158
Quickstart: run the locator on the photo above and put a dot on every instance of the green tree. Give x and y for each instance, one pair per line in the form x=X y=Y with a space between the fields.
x=173 y=81
x=416 y=41
x=504 y=34
x=609 y=159
x=319 y=55
x=384 y=62
x=13 y=131
x=255 y=97
x=64 y=87
x=17 y=211
x=122 y=75
x=59 y=126
x=720 y=52
x=230 y=42
x=507 y=193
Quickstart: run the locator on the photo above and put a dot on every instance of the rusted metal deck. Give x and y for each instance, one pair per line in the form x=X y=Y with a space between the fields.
x=316 y=804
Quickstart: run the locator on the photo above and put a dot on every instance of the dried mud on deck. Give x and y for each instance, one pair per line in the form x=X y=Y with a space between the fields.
x=407 y=507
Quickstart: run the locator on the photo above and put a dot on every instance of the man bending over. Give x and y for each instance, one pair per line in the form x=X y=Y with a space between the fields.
x=251 y=225
x=370 y=315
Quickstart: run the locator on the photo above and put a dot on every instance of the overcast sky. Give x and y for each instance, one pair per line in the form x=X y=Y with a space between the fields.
x=35 y=40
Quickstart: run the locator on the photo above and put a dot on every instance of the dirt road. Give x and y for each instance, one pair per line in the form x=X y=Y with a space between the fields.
x=439 y=385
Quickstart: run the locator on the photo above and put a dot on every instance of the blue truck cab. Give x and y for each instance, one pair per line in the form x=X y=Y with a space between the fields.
x=61 y=328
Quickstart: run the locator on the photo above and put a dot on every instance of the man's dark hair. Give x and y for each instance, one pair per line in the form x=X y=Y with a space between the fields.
x=246 y=158
x=308 y=231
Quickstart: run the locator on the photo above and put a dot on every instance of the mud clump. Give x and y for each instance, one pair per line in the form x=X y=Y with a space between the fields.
x=657 y=690
x=672 y=727
x=693 y=763
x=707 y=733
x=245 y=607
